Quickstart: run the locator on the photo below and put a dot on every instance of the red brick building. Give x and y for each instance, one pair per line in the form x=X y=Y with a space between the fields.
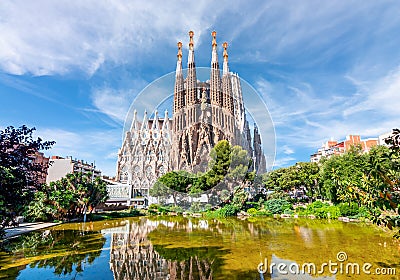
x=333 y=147
x=39 y=158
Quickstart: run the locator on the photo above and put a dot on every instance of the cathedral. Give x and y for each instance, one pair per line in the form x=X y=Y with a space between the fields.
x=204 y=112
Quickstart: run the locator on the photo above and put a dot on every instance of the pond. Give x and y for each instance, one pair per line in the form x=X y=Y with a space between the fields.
x=195 y=248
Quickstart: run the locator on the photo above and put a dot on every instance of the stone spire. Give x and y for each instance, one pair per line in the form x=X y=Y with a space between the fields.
x=155 y=121
x=226 y=83
x=191 y=48
x=179 y=94
x=191 y=79
x=214 y=58
x=165 y=125
x=134 y=125
x=215 y=79
x=145 y=123
x=257 y=149
x=225 y=68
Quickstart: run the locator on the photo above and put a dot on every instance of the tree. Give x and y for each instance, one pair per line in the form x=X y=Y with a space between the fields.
x=219 y=164
x=381 y=185
x=370 y=180
x=301 y=175
x=18 y=169
x=68 y=197
x=239 y=165
x=228 y=166
x=308 y=176
x=341 y=175
x=171 y=183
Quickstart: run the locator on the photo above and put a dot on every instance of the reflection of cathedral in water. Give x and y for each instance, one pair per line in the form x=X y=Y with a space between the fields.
x=132 y=255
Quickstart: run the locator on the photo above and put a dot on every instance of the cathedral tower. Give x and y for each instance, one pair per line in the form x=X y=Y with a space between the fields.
x=204 y=112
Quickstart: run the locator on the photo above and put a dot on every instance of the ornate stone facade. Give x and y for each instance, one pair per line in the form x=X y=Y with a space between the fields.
x=204 y=112
x=144 y=155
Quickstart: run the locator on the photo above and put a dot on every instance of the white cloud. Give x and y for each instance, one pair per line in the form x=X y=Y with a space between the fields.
x=287 y=150
x=54 y=38
x=382 y=96
x=304 y=120
x=46 y=37
x=113 y=103
x=283 y=161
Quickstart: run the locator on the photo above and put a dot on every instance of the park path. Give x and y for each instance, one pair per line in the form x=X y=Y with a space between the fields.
x=26 y=227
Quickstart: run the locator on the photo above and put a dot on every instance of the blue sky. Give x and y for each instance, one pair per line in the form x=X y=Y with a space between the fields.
x=324 y=68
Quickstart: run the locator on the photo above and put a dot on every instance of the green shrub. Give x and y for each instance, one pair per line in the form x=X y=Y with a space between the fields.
x=320 y=210
x=207 y=207
x=288 y=211
x=154 y=207
x=176 y=208
x=348 y=210
x=227 y=211
x=279 y=195
x=301 y=210
x=316 y=204
x=334 y=211
x=134 y=212
x=252 y=211
x=363 y=212
x=195 y=207
x=264 y=212
x=163 y=210
x=277 y=206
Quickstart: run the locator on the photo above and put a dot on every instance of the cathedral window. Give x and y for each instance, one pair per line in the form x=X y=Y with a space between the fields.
x=148 y=171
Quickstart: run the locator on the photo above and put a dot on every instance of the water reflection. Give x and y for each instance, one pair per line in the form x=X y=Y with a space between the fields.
x=63 y=251
x=133 y=256
x=188 y=248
